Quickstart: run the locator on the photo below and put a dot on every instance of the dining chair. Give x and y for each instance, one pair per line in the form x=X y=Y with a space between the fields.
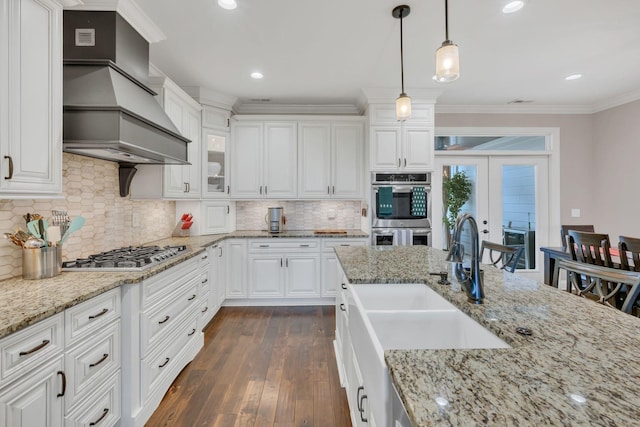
x=601 y=284
x=590 y=248
x=564 y=231
x=501 y=256
x=629 y=248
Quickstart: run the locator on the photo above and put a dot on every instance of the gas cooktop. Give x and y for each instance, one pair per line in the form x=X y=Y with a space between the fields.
x=131 y=258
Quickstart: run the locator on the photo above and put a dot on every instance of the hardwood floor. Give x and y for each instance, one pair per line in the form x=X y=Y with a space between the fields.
x=260 y=366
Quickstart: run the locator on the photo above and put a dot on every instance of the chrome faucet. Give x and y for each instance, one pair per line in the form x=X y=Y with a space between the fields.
x=470 y=281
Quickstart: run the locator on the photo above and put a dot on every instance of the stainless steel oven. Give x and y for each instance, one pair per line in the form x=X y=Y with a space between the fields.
x=400 y=236
x=401 y=209
x=406 y=197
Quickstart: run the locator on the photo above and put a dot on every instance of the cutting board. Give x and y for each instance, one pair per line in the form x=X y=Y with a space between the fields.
x=329 y=231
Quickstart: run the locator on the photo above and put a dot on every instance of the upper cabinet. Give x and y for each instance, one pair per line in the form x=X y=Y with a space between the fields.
x=31 y=101
x=215 y=155
x=183 y=181
x=330 y=160
x=263 y=160
x=406 y=146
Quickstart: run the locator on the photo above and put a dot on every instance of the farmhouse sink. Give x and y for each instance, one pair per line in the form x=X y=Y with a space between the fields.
x=404 y=296
x=445 y=329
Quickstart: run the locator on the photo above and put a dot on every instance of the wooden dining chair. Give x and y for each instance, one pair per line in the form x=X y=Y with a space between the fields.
x=601 y=284
x=564 y=231
x=629 y=248
x=590 y=248
x=501 y=256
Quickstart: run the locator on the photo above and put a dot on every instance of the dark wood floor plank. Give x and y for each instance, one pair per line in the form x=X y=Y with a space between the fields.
x=260 y=366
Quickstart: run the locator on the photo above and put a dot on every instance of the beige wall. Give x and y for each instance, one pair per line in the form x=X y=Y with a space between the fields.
x=617 y=153
x=576 y=155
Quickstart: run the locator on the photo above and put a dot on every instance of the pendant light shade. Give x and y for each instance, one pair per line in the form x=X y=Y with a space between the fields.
x=403 y=107
x=447 y=57
x=403 y=103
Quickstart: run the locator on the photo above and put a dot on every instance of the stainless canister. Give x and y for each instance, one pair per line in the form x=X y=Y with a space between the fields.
x=40 y=263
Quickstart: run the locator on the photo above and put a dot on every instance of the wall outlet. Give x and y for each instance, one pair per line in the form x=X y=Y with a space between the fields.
x=575 y=213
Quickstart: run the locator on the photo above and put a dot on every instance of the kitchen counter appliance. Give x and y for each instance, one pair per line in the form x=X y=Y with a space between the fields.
x=131 y=258
x=275 y=220
x=401 y=209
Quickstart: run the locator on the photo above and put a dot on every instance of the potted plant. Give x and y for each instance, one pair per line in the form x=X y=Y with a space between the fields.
x=456 y=191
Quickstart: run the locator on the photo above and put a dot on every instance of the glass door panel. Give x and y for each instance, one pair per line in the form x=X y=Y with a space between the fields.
x=215 y=158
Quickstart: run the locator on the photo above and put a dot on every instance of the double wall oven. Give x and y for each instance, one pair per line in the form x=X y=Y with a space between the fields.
x=401 y=209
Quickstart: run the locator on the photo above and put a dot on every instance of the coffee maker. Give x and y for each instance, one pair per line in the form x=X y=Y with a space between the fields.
x=275 y=220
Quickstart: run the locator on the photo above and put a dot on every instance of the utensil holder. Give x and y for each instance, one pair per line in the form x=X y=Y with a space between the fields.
x=41 y=263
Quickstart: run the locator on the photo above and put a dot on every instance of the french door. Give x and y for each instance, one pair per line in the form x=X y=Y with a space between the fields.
x=509 y=200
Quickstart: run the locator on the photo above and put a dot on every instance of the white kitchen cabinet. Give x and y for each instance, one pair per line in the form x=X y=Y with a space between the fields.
x=215 y=118
x=330 y=160
x=31 y=101
x=207 y=287
x=302 y=275
x=236 y=268
x=216 y=217
x=331 y=271
x=183 y=181
x=401 y=148
x=263 y=160
x=266 y=275
x=37 y=400
x=406 y=146
x=219 y=275
x=215 y=164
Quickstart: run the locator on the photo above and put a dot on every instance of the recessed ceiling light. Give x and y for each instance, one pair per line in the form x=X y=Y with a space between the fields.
x=573 y=77
x=227 y=4
x=513 y=6
x=256 y=75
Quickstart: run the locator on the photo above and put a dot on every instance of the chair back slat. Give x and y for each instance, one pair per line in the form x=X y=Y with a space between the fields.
x=590 y=248
x=609 y=286
x=564 y=231
x=501 y=256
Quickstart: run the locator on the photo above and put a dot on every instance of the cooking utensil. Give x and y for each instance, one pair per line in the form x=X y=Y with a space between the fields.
x=75 y=225
x=53 y=235
x=42 y=226
x=13 y=239
x=60 y=218
x=34 y=228
x=33 y=243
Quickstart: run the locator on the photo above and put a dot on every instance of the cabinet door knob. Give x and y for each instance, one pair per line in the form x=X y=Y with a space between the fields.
x=343 y=286
x=10 y=167
x=398 y=162
x=405 y=162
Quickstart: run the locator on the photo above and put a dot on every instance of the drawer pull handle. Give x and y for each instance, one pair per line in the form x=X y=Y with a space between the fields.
x=10 y=167
x=204 y=257
x=204 y=281
x=343 y=286
x=264 y=246
x=204 y=310
x=104 y=414
x=342 y=307
x=102 y=313
x=345 y=244
x=104 y=357
x=34 y=349
x=164 y=320
x=165 y=363
x=64 y=383
x=193 y=331
x=192 y=297
x=304 y=246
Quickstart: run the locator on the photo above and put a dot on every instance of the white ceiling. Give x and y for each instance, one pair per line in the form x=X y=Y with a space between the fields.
x=328 y=51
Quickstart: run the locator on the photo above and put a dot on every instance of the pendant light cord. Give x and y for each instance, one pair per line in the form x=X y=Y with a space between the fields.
x=446 y=20
x=401 y=53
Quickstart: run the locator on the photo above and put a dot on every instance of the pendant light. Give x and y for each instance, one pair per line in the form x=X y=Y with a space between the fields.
x=447 y=58
x=403 y=103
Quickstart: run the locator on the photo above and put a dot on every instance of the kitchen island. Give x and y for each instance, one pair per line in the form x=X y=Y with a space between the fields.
x=577 y=368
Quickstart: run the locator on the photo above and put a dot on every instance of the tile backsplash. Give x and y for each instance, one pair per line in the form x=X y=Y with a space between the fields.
x=90 y=188
x=301 y=215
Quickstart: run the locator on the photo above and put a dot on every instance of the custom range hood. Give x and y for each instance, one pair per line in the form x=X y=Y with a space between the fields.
x=108 y=111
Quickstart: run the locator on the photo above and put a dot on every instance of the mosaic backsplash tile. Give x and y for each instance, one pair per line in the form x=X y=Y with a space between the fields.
x=301 y=215
x=90 y=188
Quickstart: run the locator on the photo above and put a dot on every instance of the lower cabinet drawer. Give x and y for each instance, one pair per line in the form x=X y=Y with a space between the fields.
x=90 y=363
x=100 y=409
x=160 y=363
x=90 y=316
x=156 y=321
x=31 y=347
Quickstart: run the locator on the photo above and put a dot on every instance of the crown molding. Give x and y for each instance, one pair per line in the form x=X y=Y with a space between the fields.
x=387 y=95
x=130 y=11
x=210 y=97
x=513 y=109
x=328 y=109
x=617 y=101
x=70 y=3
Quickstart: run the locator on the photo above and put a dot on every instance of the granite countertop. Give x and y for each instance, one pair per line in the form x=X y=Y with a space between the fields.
x=578 y=349
x=25 y=302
